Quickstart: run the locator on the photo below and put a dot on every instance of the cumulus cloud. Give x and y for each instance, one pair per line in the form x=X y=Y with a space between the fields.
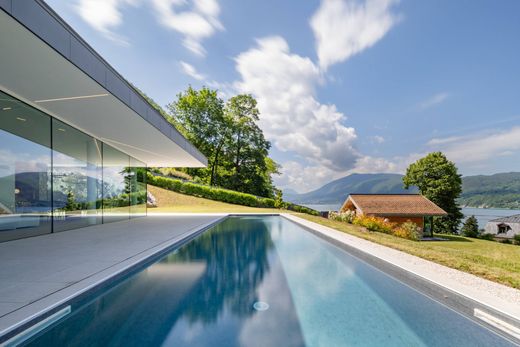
x=434 y=100
x=190 y=70
x=343 y=28
x=479 y=147
x=104 y=16
x=196 y=20
x=291 y=116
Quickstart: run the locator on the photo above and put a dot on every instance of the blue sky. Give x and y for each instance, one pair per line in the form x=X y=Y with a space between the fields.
x=343 y=85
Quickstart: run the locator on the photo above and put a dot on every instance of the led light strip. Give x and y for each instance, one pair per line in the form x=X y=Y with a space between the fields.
x=72 y=98
x=36 y=328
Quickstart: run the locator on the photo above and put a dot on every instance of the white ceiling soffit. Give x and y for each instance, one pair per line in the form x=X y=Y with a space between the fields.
x=35 y=73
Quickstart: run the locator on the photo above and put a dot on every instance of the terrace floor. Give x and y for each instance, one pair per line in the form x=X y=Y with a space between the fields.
x=41 y=272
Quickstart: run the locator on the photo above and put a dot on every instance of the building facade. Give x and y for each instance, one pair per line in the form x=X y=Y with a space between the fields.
x=504 y=227
x=396 y=208
x=75 y=136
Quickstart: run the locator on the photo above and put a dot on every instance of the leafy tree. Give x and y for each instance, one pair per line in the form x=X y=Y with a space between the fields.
x=249 y=168
x=470 y=227
x=199 y=116
x=438 y=180
x=227 y=134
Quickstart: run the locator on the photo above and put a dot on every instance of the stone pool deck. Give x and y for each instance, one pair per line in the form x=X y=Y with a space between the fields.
x=40 y=273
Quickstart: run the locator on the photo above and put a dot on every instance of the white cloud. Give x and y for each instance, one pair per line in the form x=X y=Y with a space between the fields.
x=196 y=23
x=378 y=139
x=343 y=28
x=434 y=100
x=104 y=16
x=291 y=116
x=479 y=147
x=190 y=70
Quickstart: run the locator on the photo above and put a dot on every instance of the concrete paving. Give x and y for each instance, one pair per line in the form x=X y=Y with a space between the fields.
x=39 y=273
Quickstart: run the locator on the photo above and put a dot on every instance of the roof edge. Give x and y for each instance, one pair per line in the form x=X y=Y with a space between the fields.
x=39 y=18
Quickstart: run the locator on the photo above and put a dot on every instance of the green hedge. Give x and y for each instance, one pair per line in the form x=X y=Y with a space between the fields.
x=219 y=194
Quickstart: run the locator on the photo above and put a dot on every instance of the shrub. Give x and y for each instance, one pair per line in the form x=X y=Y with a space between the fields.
x=516 y=238
x=171 y=172
x=375 y=224
x=489 y=237
x=347 y=216
x=408 y=230
x=506 y=241
x=220 y=194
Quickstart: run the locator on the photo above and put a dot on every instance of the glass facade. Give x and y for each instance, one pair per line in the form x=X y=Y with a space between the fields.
x=54 y=177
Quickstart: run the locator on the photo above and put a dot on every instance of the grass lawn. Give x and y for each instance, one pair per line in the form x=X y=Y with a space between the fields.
x=168 y=201
x=492 y=260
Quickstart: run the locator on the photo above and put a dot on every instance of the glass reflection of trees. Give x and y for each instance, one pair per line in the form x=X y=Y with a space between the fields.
x=236 y=257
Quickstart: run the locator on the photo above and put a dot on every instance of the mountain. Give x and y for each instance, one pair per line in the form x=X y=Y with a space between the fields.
x=336 y=191
x=500 y=190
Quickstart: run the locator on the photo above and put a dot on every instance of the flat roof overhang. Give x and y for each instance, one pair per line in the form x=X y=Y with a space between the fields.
x=44 y=63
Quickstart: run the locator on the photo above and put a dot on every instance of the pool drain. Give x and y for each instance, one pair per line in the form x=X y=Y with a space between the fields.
x=261 y=306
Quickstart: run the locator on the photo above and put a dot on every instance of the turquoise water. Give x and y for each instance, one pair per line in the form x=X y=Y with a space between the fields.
x=309 y=293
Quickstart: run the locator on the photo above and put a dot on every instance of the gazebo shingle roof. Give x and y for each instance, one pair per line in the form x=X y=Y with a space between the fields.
x=395 y=204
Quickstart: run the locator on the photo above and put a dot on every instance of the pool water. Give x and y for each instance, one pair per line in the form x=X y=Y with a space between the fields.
x=262 y=281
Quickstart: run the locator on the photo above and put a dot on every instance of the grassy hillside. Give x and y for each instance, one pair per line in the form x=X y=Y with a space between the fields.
x=498 y=191
x=168 y=201
x=337 y=191
x=492 y=260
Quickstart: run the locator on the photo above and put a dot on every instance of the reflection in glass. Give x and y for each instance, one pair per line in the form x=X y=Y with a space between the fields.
x=25 y=164
x=116 y=185
x=137 y=187
x=76 y=178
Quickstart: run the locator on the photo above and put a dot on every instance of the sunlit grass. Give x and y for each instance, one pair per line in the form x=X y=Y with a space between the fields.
x=492 y=260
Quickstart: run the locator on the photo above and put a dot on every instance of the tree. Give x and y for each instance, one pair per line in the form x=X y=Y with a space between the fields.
x=227 y=134
x=249 y=167
x=199 y=116
x=438 y=180
x=470 y=227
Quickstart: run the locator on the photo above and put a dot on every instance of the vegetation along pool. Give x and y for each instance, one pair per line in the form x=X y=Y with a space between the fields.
x=262 y=281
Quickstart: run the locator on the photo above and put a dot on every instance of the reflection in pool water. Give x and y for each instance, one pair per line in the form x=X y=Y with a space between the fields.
x=205 y=293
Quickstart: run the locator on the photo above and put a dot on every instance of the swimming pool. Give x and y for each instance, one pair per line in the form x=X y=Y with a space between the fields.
x=262 y=281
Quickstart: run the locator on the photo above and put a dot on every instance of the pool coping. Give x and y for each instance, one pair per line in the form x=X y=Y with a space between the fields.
x=36 y=312
x=452 y=294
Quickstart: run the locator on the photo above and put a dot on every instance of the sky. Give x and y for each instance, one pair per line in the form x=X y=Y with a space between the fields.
x=343 y=86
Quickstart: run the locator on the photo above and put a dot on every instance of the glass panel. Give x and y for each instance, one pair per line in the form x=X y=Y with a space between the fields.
x=76 y=178
x=138 y=188
x=116 y=185
x=25 y=164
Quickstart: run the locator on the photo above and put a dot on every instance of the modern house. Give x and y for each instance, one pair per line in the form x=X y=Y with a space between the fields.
x=504 y=227
x=73 y=131
x=397 y=208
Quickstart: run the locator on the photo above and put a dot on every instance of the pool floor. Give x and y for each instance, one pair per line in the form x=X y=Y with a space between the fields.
x=262 y=281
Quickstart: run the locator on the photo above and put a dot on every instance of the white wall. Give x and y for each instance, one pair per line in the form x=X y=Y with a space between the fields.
x=492 y=228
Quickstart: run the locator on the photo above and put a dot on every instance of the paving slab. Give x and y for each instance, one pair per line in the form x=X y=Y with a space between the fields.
x=39 y=273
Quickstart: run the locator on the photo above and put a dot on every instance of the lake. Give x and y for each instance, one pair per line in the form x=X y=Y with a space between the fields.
x=483 y=215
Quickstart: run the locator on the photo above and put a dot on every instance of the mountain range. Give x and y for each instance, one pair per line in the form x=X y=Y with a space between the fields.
x=500 y=190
